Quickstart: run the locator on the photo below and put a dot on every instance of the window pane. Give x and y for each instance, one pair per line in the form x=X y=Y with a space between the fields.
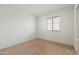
x=56 y=23
x=49 y=24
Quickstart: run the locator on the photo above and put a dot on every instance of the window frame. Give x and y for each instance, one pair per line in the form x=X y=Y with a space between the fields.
x=52 y=24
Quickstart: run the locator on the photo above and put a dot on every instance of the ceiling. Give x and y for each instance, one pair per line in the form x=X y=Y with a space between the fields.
x=39 y=9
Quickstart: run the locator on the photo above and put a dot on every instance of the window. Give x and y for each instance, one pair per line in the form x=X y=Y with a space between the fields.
x=53 y=23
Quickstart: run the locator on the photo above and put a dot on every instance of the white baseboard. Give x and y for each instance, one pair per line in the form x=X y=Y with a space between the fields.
x=54 y=41
x=7 y=46
x=76 y=44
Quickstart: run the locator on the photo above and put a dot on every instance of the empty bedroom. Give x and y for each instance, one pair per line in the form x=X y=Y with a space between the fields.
x=39 y=29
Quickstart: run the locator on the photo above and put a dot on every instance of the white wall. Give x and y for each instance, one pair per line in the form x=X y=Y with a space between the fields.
x=76 y=27
x=66 y=35
x=77 y=23
x=15 y=26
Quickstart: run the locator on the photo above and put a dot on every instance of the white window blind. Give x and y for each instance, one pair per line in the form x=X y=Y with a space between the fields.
x=49 y=24
x=53 y=23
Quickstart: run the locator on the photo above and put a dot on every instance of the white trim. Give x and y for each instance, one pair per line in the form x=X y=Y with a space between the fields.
x=75 y=37
x=32 y=38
